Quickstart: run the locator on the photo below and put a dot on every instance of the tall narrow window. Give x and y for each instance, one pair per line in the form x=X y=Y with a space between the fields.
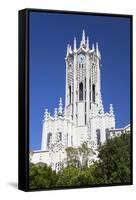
x=93 y=89
x=85 y=83
x=107 y=133
x=85 y=119
x=79 y=66
x=90 y=105
x=90 y=96
x=70 y=94
x=49 y=135
x=60 y=136
x=90 y=91
x=98 y=135
x=81 y=91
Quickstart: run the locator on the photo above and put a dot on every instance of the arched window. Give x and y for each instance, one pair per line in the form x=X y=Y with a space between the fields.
x=85 y=83
x=93 y=89
x=98 y=135
x=107 y=133
x=70 y=94
x=49 y=135
x=81 y=91
x=60 y=136
x=85 y=119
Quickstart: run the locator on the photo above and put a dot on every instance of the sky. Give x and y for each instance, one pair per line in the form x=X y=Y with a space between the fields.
x=49 y=34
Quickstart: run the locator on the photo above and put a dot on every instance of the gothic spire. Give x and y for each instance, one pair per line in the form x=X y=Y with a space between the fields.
x=60 y=109
x=83 y=37
x=46 y=114
x=70 y=49
x=93 y=47
x=87 y=43
x=101 y=108
x=75 y=44
x=97 y=49
x=55 y=113
x=111 y=110
x=67 y=49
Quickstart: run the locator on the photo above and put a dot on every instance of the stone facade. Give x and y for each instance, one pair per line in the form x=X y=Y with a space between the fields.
x=83 y=118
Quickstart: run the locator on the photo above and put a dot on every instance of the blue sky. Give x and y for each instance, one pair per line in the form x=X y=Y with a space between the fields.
x=49 y=35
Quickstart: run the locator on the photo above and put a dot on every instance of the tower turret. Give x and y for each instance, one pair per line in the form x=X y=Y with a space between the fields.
x=75 y=48
x=60 y=109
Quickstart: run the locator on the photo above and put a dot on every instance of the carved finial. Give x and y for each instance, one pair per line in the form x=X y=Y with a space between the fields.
x=60 y=109
x=55 y=113
x=101 y=109
x=93 y=47
x=46 y=114
x=70 y=49
x=49 y=115
x=87 y=43
x=75 y=44
x=111 y=110
x=67 y=50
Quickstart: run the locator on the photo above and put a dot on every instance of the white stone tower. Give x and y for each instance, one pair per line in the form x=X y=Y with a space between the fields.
x=83 y=119
x=83 y=100
x=83 y=88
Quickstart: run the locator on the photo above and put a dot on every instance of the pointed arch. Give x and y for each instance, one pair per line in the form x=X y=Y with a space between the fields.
x=49 y=135
x=69 y=94
x=60 y=136
x=80 y=91
x=93 y=92
x=107 y=133
x=98 y=136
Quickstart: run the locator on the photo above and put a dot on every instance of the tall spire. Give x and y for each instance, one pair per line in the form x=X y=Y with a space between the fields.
x=97 y=49
x=111 y=110
x=83 y=37
x=87 y=43
x=101 y=108
x=55 y=113
x=67 y=50
x=93 y=47
x=46 y=114
x=60 y=109
x=75 y=44
x=70 y=49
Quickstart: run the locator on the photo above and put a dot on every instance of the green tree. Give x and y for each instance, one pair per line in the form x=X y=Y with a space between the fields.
x=41 y=176
x=72 y=157
x=85 y=153
x=68 y=177
x=114 y=165
x=73 y=176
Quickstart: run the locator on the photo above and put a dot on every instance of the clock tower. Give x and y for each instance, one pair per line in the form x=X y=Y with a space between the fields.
x=83 y=88
x=83 y=118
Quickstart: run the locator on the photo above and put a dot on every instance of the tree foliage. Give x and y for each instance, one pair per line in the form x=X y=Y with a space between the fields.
x=79 y=157
x=41 y=176
x=113 y=167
